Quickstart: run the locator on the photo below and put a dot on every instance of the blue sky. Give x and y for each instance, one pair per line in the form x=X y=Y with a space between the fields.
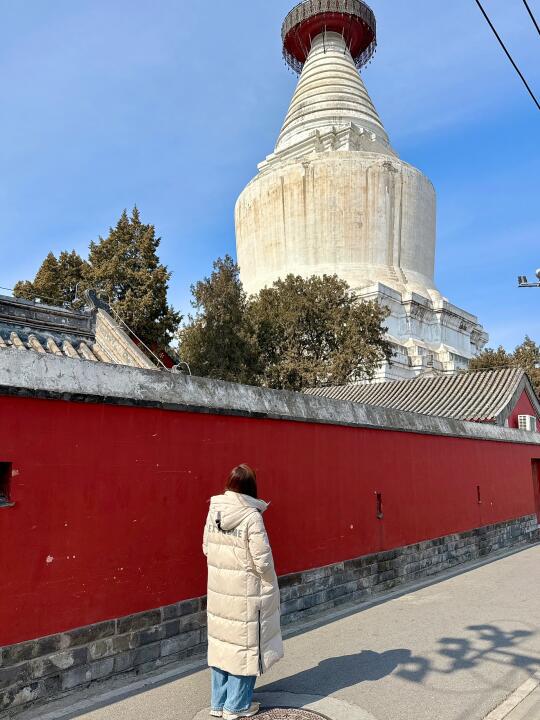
x=171 y=105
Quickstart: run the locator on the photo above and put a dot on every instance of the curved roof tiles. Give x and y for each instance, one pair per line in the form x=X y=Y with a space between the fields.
x=481 y=396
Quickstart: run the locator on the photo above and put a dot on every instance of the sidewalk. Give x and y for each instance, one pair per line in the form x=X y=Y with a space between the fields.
x=523 y=704
x=455 y=650
x=528 y=709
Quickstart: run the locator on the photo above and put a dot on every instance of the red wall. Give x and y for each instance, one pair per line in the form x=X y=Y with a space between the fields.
x=110 y=501
x=523 y=407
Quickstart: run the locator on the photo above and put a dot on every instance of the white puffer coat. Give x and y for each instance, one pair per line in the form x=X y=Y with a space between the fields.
x=244 y=634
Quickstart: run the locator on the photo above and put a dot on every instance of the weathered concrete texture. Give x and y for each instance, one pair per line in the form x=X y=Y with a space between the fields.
x=34 y=375
x=48 y=667
x=362 y=216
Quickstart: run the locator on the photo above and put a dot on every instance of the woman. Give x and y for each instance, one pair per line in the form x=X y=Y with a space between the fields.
x=244 y=635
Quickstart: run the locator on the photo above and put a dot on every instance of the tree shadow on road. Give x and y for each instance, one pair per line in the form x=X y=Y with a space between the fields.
x=488 y=644
x=336 y=673
x=481 y=644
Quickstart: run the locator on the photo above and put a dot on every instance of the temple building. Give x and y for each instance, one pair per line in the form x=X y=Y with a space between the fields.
x=91 y=333
x=335 y=198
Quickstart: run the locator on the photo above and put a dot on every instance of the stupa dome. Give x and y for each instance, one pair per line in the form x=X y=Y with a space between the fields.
x=334 y=197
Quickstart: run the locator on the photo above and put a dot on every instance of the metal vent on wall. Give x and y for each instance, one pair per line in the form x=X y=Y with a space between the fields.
x=527 y=422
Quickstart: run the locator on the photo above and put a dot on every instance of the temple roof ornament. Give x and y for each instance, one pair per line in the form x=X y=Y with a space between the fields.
x=354 y=20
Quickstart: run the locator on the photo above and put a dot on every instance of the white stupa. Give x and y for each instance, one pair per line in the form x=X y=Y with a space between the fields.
x=334 y=198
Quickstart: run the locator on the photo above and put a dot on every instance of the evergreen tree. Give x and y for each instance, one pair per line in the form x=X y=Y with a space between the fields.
x=59 y=281
x=491 y=358
x=313 y=332
x=526 y=356
x=299 y=333
x=125 y=268
x=219 y=342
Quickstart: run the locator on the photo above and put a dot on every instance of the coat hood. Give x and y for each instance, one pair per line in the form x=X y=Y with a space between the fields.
x=231 y=508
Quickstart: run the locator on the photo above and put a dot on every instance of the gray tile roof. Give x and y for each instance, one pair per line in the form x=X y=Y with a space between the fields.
x=482 y=396
x=90 y=334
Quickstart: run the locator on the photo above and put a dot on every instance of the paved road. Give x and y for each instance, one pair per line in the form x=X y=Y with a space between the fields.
x=451 y=651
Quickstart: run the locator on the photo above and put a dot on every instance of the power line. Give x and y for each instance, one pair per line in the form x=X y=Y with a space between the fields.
x=532 y=15
x=41 y=297
x=507 y=53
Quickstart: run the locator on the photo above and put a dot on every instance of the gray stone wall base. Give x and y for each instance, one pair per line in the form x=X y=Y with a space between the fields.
x=358 y=580
x=49 y=667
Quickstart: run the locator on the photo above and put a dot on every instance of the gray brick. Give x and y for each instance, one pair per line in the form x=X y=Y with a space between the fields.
x=291 y=606
x=179 y=609
x=102 y=668
x=122 y=643
x=124 y=661
x=176 y=644
x=76 y=677
x=149 y=666
x=291 y=579
x=192 y=622
x=194 y=651
x=14 y=654
x=101 y=649
x=152 y=635
x=324 y=572
x=170 y=629
x=139 y=621
x=15 y=675
x=90 y=633
x=59 y=662
x=22 y=694
x=147 y=653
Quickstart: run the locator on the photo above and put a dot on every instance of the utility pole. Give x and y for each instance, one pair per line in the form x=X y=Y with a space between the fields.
x=524 y=283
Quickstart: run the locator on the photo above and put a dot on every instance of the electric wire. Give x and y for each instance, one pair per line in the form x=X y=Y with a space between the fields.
x=41 y=297
x=532 y=16
x=509 y=56
x=118 y=318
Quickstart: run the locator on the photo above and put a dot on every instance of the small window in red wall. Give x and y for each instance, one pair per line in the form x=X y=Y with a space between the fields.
x=5 y=484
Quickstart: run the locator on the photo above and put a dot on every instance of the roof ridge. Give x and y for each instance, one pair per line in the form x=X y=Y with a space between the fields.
x=479 y=395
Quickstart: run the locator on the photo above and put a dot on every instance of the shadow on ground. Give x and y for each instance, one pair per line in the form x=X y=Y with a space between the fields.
x=481 y=644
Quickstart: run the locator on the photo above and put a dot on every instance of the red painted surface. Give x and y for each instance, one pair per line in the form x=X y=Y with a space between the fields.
x=523 y=407
x=110 y=501
x=536 y=486
x=356 y=33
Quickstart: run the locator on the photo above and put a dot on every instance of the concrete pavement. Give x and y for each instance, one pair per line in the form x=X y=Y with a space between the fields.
x=454 y=650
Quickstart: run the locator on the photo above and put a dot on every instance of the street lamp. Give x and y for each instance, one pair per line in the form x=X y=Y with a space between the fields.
x=524 y=283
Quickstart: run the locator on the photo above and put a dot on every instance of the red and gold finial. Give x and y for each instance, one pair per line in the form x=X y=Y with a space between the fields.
x=353 y=19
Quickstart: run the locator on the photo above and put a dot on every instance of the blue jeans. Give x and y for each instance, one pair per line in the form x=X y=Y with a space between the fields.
x=232 y=693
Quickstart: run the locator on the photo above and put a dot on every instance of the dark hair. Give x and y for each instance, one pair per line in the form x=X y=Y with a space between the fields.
x=242 y=480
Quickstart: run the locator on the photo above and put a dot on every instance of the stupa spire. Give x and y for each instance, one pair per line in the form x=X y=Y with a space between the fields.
x=330 y=95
